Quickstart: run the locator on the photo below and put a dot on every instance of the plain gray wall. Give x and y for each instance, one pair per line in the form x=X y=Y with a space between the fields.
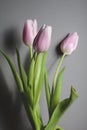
x=64 y=16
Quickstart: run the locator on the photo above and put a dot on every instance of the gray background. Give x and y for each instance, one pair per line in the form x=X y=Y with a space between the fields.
x=64 y=16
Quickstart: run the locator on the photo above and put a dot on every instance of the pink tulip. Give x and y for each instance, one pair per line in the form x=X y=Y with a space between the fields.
x=43 y=39
x=29 y=32
x=70 y=43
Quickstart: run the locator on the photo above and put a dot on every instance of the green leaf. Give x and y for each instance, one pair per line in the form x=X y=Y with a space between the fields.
x=29 y=110
x=29 y=96
x=37 y=70
x=47 y=89
x=39 y=113
x=34 y=114
x=30 y=79
x=60 y=109
x=41 y=66
x=22 y=71
x=15 y=74
x=57 y=92
x=35 y=120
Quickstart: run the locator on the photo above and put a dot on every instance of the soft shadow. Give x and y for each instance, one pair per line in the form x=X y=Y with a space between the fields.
x=11 y=110
x=11 y=39
x=13 y=115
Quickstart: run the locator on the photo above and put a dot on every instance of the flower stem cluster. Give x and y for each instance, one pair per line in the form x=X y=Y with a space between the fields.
x=30 y=83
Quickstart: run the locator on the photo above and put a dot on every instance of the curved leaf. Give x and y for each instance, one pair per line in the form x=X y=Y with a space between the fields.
x=37 y=70
x=41 y=66
x=60 y=109
x=22 y=71
x=15 y=74
x=57 y=92
x=39 y=113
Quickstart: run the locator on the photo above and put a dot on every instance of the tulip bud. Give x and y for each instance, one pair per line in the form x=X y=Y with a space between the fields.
x=43 y=39
x=70 y=43
x=29 y=32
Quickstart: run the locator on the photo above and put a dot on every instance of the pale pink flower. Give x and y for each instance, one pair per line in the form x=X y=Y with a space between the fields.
x=70 y=43
x=43 y=39
x=29 y=32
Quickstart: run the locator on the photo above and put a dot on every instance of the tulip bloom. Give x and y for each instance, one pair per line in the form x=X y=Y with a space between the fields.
x=43 y=39
x=70 y=43
x=29 y=32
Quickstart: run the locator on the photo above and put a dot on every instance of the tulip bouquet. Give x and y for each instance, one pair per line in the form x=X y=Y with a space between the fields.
x=30 y=83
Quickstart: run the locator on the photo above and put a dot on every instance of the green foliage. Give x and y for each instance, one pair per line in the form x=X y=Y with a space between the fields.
x=15 y=73
x=22 y=71
x=55 y=99
x=37 y=71
x=30 y=79
x=30 y=87
x=47 y=90
x=60 y=110
x=40 y=70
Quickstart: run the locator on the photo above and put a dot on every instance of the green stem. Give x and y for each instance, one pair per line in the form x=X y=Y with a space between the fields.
x=31 y=53
x=57 y=71
x=32 y=116
x=36 y=120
